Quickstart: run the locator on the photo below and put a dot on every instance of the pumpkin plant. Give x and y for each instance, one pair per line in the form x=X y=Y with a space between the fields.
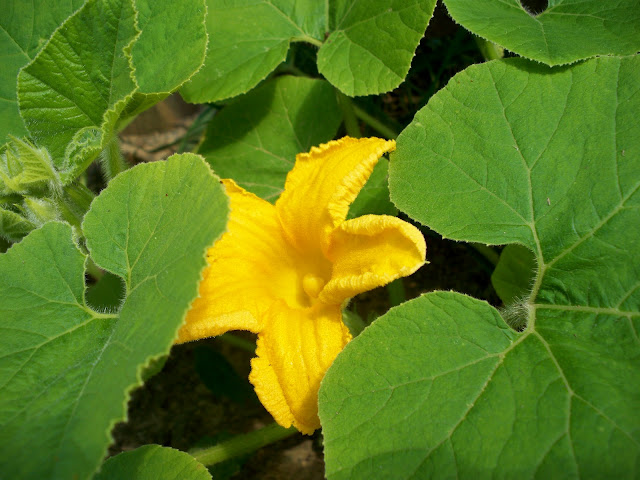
x=286 y=208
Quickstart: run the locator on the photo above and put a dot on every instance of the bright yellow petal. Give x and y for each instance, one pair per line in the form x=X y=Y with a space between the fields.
x=295 y=349
x=250 y=267
x=322 y=185
x=371 y=251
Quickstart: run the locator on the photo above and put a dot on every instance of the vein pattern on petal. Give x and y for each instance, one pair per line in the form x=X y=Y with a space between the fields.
x=295 y=349
x=322 y=185
x=249 y=267
x=371 y=251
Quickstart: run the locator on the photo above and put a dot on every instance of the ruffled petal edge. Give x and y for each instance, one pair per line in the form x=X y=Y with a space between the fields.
x=371 y=251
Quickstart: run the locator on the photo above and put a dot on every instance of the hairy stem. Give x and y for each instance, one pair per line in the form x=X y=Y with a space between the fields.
x=308 y=39
x=489 y=50
x=487 y=252
x=111 y=160
x=348 y=115
x=242 y=444
x=374 y=123
x=396 y=292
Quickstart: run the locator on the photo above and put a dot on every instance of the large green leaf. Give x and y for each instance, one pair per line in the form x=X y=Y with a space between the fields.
x=172 y=43
x=255 y=139
x=372 y=43
x=13 y=226
x=441 y=387
x=74 y=92
x=368 y=49
x=66 y=369
x=153 y=462
x=77 y=77
x=568 y=30
x=24 y=28
x=248 y=39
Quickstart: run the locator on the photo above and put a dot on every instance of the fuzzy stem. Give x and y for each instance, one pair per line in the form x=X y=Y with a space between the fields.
x=348 y=115
x=374 y=123
x=242 y=444
x=69 y=213
x=397 y=294
x=93 y=270
x=111 y=160
x=308 y=39
x=79 y=196
x=73 y=203
x=487 y=252
x=489 y=50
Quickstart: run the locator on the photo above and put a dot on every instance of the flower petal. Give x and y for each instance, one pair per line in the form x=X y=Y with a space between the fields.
x=295 y=349
x=322 y=185
x=371 y=251
x=250 y=267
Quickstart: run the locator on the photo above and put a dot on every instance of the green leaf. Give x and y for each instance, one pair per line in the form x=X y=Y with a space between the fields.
x=25 y=168
x=248 y=41
x=81 y=88
x=24 y=28
x=514 y=273
x=14 y=226
x=256 y=138
x=372 y=43
x=568 y=30
x=171 y=45
x=440 y=386
x=519 y=146
x=80 y=74
x=368 y=51
x=397 y=402
x=66 y=369
x=40 y=210
x=153 y=462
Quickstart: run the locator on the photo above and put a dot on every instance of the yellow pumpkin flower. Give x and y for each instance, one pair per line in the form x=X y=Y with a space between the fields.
x=286 y=271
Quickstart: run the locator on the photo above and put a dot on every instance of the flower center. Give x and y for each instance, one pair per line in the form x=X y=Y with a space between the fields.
x=312 y=285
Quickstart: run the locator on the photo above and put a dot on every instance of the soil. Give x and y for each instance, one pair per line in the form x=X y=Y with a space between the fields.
x=175 y=408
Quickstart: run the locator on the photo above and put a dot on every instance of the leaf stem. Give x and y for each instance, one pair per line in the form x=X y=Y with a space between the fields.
x=374 y=123
x=397 y=293
x=489 y=50
x=348 y=115
x=196 y=128
x=73 y=203
x=308 y=39
x=242 y=444
x=93 y=269
x=487 y=252
x=79 y=197
x=111 y=159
